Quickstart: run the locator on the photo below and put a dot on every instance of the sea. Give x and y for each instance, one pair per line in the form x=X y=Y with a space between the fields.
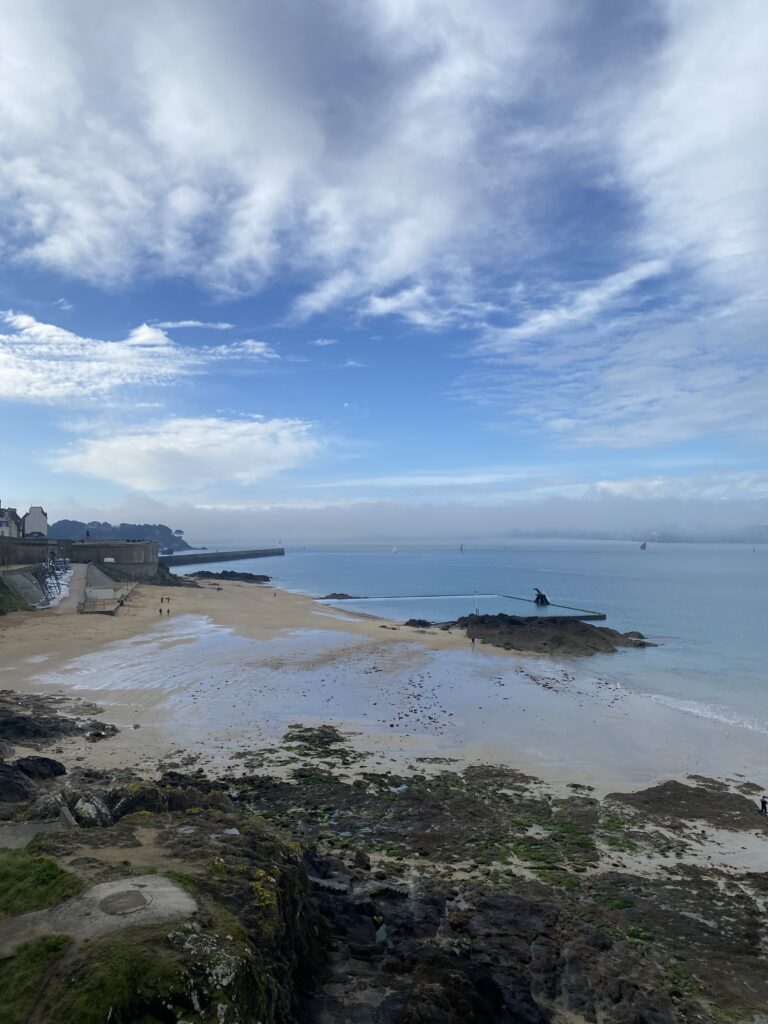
x=705 y=606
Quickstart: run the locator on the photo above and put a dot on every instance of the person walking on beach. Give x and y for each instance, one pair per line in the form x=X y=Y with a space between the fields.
x=160 y=610
x=763 y=806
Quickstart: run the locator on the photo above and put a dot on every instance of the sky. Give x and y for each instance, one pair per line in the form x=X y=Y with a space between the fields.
x=404 y=268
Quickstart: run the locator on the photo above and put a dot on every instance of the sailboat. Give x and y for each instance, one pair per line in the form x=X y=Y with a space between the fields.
x=643 y=546
x=394 y=551
x=461 y=547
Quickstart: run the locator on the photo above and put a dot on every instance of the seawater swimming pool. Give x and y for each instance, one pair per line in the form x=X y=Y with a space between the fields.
x=444 y=607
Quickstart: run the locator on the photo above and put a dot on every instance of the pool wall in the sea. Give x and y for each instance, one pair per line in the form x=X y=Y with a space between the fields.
x=441 y=608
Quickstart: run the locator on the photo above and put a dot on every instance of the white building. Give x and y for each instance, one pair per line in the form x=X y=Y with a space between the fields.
x=35 y=523
x=10 y=523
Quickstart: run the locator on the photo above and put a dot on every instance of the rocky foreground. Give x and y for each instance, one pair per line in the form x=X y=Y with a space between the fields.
x=300 y=889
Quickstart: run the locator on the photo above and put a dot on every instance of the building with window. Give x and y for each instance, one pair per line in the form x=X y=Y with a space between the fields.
x=10 y=522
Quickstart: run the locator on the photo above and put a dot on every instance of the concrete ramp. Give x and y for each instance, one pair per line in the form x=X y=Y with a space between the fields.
x=25 y=586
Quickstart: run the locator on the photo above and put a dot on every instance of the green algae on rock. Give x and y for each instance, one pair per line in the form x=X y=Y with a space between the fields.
x=247 y=953
x=23 y=976
x=450 y=897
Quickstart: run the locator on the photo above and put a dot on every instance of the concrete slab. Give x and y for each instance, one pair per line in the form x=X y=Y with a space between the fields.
x=103 y=909
x=16 y=837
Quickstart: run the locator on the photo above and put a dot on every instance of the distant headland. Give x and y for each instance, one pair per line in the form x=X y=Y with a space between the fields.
x=166 y=538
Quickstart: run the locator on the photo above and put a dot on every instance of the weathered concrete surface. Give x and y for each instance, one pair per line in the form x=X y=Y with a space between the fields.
x=106 y=908
x=17 y=836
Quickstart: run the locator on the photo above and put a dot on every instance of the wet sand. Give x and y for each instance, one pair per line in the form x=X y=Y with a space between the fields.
x=220 y=679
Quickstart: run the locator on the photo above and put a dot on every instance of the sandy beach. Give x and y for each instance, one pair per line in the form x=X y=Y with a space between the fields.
x=221 y=678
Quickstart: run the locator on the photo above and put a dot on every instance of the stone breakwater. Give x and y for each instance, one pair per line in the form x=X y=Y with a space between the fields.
x=195 y=557
x=320 y=893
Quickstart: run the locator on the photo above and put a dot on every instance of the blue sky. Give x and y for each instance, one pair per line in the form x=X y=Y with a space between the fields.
x=401 y=267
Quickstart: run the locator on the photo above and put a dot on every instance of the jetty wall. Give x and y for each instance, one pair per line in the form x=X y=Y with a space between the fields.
x=201 y=557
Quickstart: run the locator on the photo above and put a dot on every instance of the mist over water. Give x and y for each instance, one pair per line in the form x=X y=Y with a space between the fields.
x=705 y=605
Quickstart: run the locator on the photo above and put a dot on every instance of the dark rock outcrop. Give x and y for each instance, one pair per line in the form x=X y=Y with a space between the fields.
x=548 y=635
x=228 y=574
x=21 y=728
x=29 y=719
x=40 y=767
x=398 y=900
x=709 y=801
x=15 y=786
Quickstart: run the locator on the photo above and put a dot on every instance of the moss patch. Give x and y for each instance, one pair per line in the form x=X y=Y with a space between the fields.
x=30 y=883
x=22 y=976
x=117 y=980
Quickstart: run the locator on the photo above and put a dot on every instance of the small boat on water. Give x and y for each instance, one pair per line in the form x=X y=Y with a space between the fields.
x=643 y=546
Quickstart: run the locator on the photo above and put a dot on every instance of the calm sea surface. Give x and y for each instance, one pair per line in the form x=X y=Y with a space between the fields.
x=705 y=605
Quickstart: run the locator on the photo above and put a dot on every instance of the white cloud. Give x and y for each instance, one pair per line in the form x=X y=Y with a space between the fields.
x=168 y=325
x=692 y=144
x=432 y=479
x=250 y=348
x=574 y=309
x=44 y=363
x=637 y=381
x=353 y=364
x=345 y=140
x=394 y=154
x=414 y=305
x=180 y=454
x=324 y=342
x=711 y=486
x=465 y=163
x=527 y=486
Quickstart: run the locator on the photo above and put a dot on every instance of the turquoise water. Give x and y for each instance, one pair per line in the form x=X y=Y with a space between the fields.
x=706 y=605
